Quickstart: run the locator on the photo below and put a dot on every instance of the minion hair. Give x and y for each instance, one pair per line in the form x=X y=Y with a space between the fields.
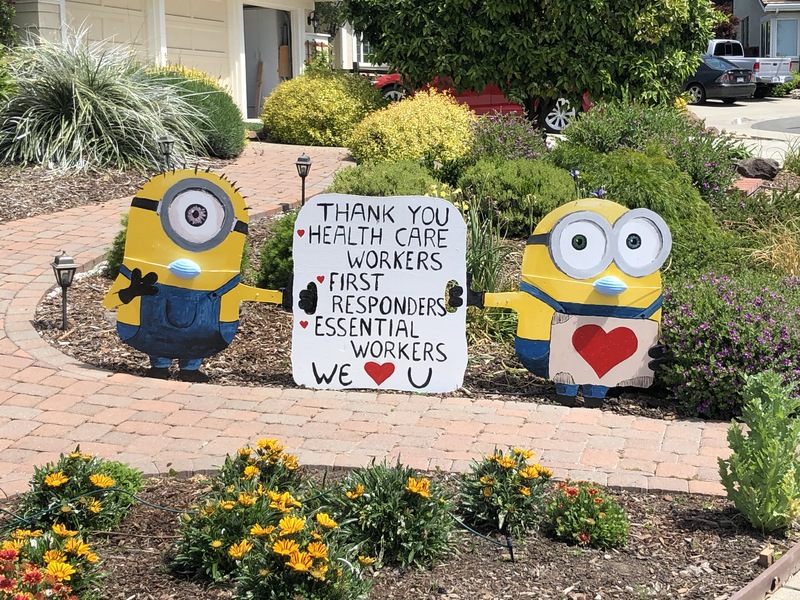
x=195 y=169
x=208 y=169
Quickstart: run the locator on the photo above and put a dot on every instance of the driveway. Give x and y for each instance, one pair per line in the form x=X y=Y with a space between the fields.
x=768 y=126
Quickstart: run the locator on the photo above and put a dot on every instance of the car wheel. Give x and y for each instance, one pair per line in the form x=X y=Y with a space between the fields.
x=697 y=93
x=762 y=91
x=394 y=92
x=561 y=115
x=729 y=100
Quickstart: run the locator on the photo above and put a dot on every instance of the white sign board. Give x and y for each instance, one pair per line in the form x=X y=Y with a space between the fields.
x=381 y=268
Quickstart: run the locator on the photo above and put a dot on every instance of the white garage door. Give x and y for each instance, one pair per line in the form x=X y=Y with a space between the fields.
x=122 y=21
x=197 y=36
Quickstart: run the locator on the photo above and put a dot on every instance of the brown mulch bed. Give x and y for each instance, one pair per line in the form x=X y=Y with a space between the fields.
x=682 y=546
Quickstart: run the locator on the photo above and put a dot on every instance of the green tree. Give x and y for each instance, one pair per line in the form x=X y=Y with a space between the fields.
x=542 y=49
x=8 y=33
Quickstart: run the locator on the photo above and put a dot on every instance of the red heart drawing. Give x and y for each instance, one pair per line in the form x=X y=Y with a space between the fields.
x=604 y=351
x=301 y=232
x=379 y=373
x=303 y=324
x=320 y=278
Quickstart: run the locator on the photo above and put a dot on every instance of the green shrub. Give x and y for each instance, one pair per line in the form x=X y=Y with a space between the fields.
x=429 y=126
x=266 y=464
x=506 y=136
x=703 y=154
x=791 y=161
x=6 y=85
x=221 y=124
x=403 y=178
x=80 y=491
x=8 y=33
x=319 y=109
x=716 y=329
x=762 y=475
x=394 y=515
x=650 y=180
x=116 y=253
x=86 y=105
x=784 y=89
x=582 y=513
x=503 y=492
x=276 y=265
x=518 y=193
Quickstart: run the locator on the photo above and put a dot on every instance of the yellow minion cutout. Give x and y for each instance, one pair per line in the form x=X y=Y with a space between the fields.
x=178 y=291
x=589 y=300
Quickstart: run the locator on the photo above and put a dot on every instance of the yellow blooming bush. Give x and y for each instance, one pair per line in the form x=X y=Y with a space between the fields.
x=394 y=516
x=52 y=563
x=265 y=463
x=80 y=491
x=504 y=492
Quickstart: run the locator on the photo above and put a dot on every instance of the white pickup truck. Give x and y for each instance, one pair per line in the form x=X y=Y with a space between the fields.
x=768 y=72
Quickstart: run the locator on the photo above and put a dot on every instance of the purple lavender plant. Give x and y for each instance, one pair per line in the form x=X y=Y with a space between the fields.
x=507 y=136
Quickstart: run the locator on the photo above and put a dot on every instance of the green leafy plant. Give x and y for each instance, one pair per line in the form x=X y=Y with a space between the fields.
x=319 y=109
x=504 y=492
x=275 y=255
x=516 y=194
x=506 y=136
x=267 y=464
x=401 y=178
x=791 y=161
x=762 y=475
x=80 y=491
x=221 y=120
x=56 y=563
x=394 y=515
x=88 y=105
x=582 y=513
x=6 y=85
x=8 y=33
x=429 y=126
x=116 y=253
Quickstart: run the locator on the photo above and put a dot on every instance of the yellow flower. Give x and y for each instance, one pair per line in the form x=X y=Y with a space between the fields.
x=21 y=534
x=258 y=530
x=487 y=480
x=506 y=462
x=487 y=492
x=245 y=452
x=87 y=457
x=92 y=557
x=285 y=547
x=216 y=544
x=282 y=502
x=356 y=493
x=227 y=504
x=102 y=481
x=366 y=560
x=525 y=491
x=66 y=509
x=545 y=472
x=531 y=472
x=251 y=471
x=300 y=561
x=246 y=499
x=526 y=454
x=77 y=546
x=54 y=556
x=12 y=545
x=290 y=461
x=420 y=487
x=317 y=550
x=56 y=479
x=269 y=445
x=325 y=520
x=290 y=525
x=62 y=530
x=319 y=572
x=95 y=506
x=76 y=454
x=60 y=570
x=237 y=551
x=263 y=572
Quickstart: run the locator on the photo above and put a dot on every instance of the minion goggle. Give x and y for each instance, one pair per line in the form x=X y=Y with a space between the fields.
x=583 y=244
x=195 y=213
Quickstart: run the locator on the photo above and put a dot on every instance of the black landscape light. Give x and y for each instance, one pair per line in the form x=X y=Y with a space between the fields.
x=313 y=19
x=303 y=165
x=64 y=268
x=165 y=144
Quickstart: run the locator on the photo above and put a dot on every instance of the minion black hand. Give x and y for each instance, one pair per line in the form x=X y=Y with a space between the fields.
x=658 y=354
x=308 y=299
x=140 y=286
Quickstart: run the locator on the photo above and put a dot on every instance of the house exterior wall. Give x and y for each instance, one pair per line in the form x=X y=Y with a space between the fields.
x=40 y=17
x=197 y=36
x=120 y=21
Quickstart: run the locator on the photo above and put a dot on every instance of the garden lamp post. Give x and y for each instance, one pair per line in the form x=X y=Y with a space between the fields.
x=165 y=144
x=303 y=165
x=64 y=268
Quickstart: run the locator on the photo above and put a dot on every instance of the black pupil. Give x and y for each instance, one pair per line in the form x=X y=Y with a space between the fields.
x=634 y=241
x=579 y=242
x=196 y=215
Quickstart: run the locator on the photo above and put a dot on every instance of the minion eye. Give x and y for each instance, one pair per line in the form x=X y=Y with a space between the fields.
x=579 y=244
x=196 y=214
x=643 y=242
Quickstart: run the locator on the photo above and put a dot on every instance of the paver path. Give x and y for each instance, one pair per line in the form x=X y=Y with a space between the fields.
x=49 y=403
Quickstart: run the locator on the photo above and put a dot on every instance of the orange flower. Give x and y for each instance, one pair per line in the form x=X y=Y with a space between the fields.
x=290 y=525
x=317 y=550
x=60 y=570
x=525 y=491
x=54 y=556
x=506 y=462
x=325 y=520
x=421 y=487
x=77 y=546
x=251 y=471
x=290 y=461
x=530 y=472
x=258 y=530
x=102 y=481
x=356 y=493
x=300 y=561
x=237 y=551
x=285 y=547
x=246 y=499
x=56 y=479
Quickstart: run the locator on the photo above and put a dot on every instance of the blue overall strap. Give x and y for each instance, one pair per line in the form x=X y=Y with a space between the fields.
x=124 y=271
x=592 y=310
x=227 y=287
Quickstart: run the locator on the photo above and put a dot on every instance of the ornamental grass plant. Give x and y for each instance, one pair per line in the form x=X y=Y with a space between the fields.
x=583 y=513
x=80 y=491
x=84 y=105
x=504 y=492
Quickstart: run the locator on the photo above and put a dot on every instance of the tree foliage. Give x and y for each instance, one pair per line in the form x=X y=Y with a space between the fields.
x=541 y=48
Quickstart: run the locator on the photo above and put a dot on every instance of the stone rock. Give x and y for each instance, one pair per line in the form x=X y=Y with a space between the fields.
x=795 y=94
x=758 y=168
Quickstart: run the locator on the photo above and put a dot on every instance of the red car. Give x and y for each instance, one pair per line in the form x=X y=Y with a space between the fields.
x=491 y=99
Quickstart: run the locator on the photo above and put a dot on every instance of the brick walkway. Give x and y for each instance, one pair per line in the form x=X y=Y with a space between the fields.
x=49 y=403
